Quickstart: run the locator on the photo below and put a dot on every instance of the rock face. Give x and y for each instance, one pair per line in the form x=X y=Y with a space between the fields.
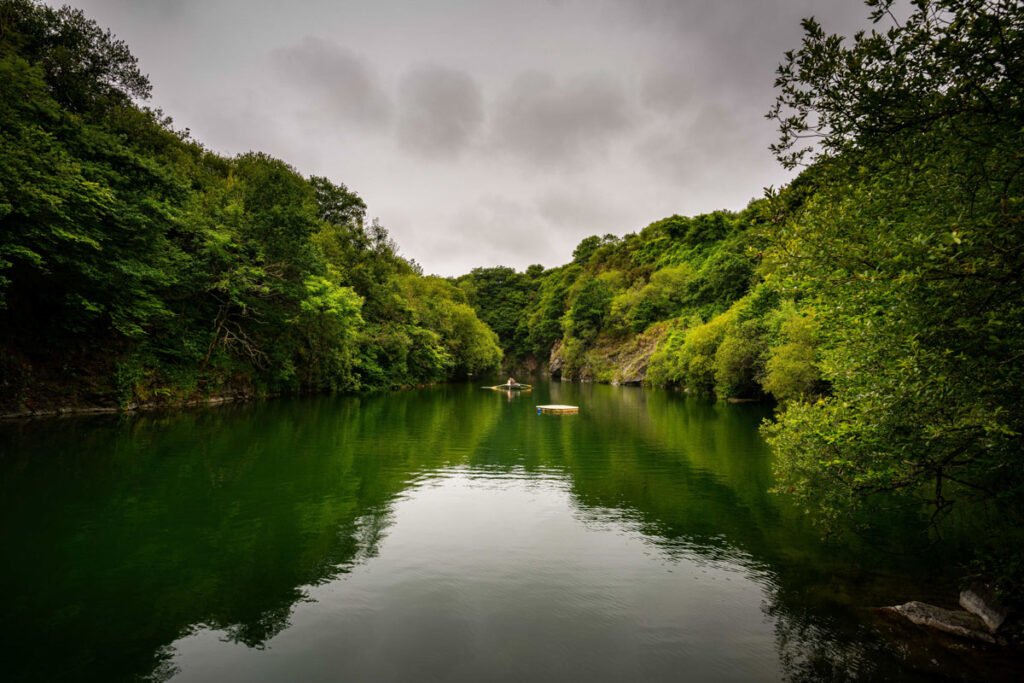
x=555 y=361
x=611 y=359
x=980 y=600
x=955 y=622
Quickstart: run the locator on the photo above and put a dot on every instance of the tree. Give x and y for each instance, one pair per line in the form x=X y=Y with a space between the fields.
x=328 y=320
x=501 y=297
x=87 y=69
x=336 y=204
x=792 y=371
x=137 y=265
x=73 y=195
x=953 y=68
x=545 y=320
x=589 y=246
x=469 y=346
x=590 y=305
x=908 y=253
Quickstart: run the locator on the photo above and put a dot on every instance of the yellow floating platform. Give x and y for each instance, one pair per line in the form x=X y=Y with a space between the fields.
x=558 y=410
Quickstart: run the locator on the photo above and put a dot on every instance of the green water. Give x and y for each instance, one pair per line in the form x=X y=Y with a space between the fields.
x=443 y=534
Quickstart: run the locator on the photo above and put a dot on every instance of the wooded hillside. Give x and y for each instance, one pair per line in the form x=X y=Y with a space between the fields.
x=136 y=265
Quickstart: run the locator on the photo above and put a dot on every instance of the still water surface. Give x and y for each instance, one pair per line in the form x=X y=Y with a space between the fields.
x=448 y=534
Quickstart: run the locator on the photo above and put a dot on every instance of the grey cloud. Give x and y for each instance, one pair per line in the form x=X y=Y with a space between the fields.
x=579 y=211
x=671 y=122
x=739 y=25
x=736 y=44
x=440 y=110
x=667 y=154
x=512 y=232
x=556 y=124
x=686 y=151
x=147 y=11
x=668 y=90
x=340 y=80
x=502 y=232
x=716 y=158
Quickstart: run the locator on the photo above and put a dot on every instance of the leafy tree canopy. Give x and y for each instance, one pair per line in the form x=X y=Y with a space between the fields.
x=136 y=265
x=908 y=252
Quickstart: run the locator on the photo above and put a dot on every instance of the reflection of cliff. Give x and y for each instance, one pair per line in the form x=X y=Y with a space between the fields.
x=130 y=535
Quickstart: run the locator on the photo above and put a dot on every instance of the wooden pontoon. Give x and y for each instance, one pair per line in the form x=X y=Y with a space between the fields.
x=557 y=409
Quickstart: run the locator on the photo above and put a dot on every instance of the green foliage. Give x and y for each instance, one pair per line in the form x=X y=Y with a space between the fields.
x=739 y=361
x=329 y=320
x=725 y=355
x=545 y=320
x=792 y=371
x=907 y=251
x=589 y=246
x=159 y=270
x=699 y=351
x=702 y=230
x=590 y=305
x=336 y=204
x=84 y=217
x=724 y=276
x=86 y=69
x=469 y=346
x=502 y=298
x=662 y=298
x=616 y=289
x=665 y=367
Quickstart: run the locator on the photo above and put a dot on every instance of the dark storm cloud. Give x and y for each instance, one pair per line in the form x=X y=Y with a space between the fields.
x=337 y=78
x=440 y=111
x=560 y=124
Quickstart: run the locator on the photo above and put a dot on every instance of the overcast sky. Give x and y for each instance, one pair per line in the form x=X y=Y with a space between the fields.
x=486 y=132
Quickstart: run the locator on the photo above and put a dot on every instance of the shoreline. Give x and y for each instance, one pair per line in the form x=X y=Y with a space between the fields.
x=170 y=406
x=72 y=411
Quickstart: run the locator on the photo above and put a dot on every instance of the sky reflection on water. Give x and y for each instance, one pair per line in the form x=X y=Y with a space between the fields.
x=441 y=534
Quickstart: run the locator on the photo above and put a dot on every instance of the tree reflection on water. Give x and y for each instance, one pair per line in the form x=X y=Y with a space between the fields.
x=126 y=535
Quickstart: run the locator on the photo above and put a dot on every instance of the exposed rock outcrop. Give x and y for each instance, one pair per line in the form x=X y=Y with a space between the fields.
x=556 y=362
x=955 y=622
x=612 y=359
x=982 y=601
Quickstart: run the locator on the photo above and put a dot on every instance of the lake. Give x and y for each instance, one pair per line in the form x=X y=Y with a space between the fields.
x=443 y=534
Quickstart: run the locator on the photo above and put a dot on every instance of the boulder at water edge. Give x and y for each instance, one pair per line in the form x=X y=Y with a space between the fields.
x=955 y=622
x=981 y=600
